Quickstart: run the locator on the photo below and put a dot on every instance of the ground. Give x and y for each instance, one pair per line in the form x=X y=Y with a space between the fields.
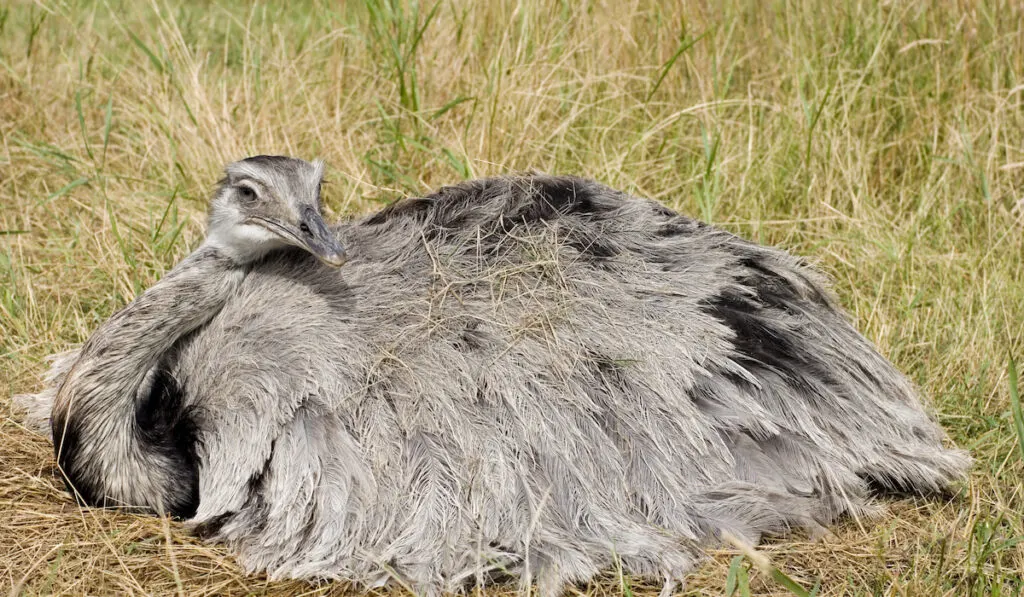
x=883 y=141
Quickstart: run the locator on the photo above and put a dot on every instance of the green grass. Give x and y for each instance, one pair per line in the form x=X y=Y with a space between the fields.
x=884 y=141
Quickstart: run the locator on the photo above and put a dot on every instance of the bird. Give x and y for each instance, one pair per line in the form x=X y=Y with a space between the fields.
x=529 y=377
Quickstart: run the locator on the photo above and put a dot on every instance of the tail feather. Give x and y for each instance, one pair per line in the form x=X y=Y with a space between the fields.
x=38 y=406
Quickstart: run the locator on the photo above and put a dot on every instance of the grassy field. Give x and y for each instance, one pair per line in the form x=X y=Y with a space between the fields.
x=884 y=141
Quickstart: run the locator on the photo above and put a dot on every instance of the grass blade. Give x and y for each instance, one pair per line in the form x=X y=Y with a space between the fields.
x=126 y=251
x=815 y=117
x=167 y=210
x=791 y=585
x=1018 y=417
x=107 y=120
x=81 y=122
x=457 y=163
x=455 y=102
x=64 y=190
x=157 y=63
x=737 y=580
x=684 y=46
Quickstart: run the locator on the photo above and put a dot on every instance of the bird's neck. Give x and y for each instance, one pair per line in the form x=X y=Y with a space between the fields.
x=242 y=243
x=98 y=443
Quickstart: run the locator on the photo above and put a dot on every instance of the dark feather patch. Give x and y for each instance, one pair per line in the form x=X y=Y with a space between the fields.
x=212 y=527
x=66 y=445
x=163 y=426
x=539 y=198
x=757 y=341
x=589 y=244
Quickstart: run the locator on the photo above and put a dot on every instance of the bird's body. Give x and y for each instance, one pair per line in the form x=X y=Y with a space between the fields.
x=532 y=375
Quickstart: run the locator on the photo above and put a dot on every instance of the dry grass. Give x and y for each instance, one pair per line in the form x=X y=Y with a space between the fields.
x=885 y=141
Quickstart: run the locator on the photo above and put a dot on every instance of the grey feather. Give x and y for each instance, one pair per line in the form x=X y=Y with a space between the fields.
x=536 y=376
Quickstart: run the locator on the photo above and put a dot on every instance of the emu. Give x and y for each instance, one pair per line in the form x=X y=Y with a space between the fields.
x=529 y=376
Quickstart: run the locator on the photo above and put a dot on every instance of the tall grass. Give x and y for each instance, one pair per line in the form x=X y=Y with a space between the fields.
x=882 y=140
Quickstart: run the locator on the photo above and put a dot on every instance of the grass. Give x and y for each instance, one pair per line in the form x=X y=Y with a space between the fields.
x=882 y=140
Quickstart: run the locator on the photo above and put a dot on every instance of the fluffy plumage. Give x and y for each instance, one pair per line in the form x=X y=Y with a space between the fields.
x=537 y=376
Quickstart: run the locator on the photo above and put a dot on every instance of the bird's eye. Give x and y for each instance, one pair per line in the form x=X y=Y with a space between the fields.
x=246 y=193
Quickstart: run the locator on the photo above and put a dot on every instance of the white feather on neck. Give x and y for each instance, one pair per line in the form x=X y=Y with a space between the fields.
x=238 y=241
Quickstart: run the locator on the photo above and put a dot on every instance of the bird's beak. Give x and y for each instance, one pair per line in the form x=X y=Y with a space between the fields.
x=309 y=233
x=319 y=240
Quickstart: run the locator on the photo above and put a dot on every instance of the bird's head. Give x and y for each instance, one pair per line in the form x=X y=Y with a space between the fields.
x=267 y=202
